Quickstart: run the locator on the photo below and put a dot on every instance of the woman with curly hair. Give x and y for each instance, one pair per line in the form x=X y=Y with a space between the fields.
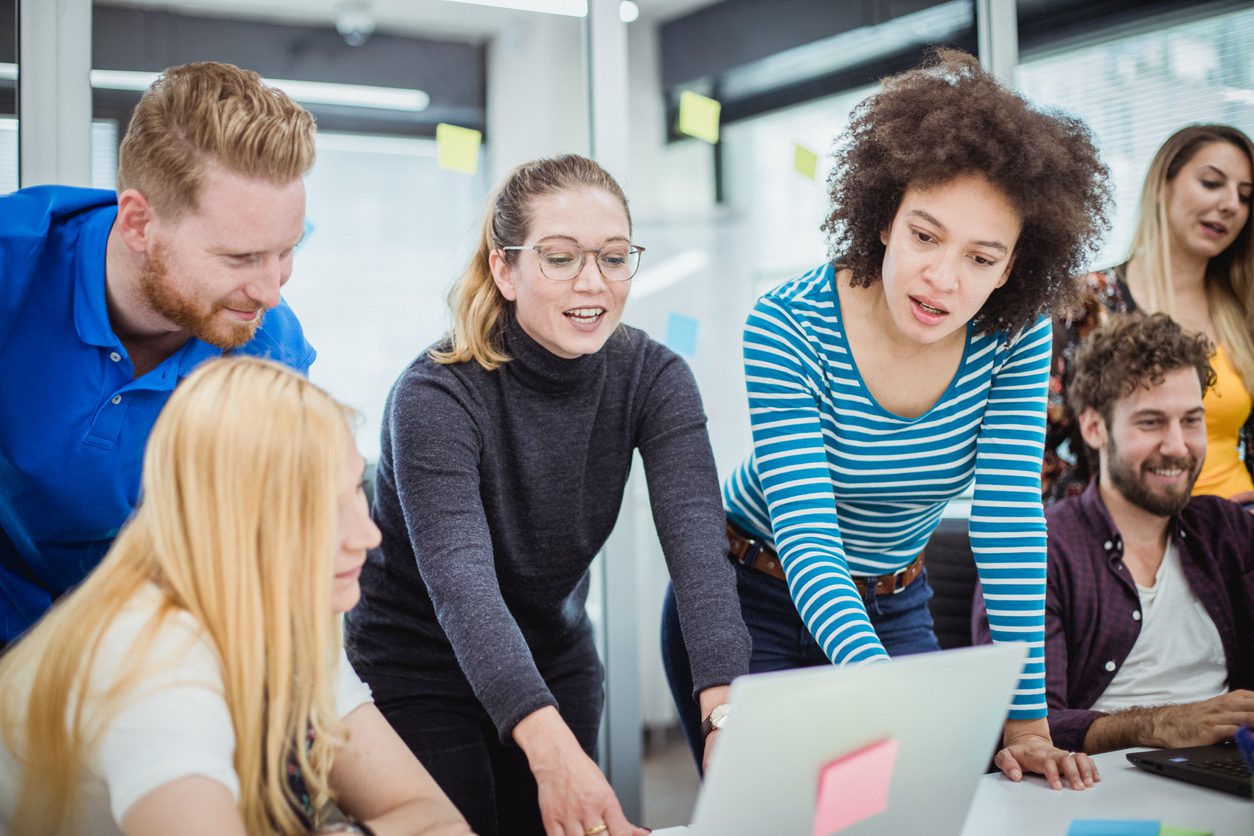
x=195 y=682
x=883 y=383
x=1192 y=258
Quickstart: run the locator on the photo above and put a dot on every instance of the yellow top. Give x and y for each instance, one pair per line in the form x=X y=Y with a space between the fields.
x=1227 y=408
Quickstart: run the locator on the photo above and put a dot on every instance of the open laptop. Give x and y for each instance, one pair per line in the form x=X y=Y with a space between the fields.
x=945 y=710
x=1218 y=766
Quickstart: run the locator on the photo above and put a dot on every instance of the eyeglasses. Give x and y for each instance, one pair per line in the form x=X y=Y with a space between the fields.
x=562 y=262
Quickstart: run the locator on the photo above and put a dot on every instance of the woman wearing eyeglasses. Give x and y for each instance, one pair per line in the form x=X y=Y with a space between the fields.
x=505 y=452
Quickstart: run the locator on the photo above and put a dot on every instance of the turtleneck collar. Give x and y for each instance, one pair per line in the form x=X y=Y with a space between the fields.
x=537 y=368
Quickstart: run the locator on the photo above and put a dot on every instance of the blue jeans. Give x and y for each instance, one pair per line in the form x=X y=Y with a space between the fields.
x=781 y=640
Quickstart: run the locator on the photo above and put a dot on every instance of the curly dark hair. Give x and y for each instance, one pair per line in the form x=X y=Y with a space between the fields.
x=1132 y=351
x=948 y=118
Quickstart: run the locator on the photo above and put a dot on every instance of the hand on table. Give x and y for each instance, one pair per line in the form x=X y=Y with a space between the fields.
x=575 y=799
x=1029 y=748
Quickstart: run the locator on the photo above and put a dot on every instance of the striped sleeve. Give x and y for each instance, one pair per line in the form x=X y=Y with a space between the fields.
x=1007 y=524
x=784 y=378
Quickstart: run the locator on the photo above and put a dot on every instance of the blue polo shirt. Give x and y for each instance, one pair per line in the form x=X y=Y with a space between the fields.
x=73 y=422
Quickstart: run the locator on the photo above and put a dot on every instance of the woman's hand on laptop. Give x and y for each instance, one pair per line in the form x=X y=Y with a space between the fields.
x=1028 y=747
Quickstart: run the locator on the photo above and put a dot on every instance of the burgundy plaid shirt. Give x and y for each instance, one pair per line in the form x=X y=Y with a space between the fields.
x=1093 y=612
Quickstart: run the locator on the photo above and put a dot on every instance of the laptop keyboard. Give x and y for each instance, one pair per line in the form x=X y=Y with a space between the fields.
x=1228 y=767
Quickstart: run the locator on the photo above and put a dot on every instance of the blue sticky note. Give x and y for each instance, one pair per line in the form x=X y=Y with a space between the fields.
x=681 y=334
x=309 y=228
x=1114 y=827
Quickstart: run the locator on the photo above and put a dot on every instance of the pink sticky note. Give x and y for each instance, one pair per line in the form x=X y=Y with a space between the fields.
x=854 y=787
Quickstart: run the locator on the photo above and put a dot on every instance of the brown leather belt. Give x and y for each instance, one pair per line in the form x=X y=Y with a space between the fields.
x=756 y=554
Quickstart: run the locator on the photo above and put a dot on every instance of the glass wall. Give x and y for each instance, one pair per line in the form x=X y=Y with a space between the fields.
x=387 y=228
x=8 y=96
x=387 y=233
x=1135 y=89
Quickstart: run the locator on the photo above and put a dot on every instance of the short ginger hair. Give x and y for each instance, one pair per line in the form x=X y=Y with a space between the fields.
x=211 y=111
x=948 y=118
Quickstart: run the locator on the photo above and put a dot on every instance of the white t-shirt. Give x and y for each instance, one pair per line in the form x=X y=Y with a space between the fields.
x=176 y=724
x=1178 y=657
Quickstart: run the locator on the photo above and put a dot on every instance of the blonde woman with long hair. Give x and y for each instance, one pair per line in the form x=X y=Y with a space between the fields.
x=1192 y=258
x=195 y=682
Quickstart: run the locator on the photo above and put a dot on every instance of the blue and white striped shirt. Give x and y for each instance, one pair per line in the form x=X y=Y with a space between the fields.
x=841 y=486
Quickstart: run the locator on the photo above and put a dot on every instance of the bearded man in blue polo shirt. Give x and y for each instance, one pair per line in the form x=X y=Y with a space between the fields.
x=108 y=300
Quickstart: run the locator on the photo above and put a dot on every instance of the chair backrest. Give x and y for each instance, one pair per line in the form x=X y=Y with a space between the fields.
x=368 y=483
x=951 y=574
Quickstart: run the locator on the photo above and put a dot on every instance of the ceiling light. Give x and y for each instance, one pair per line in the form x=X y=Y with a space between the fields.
x=354 y=20
x=941 y=23
x=306 y=92
x=574 y=8
x=628 y=12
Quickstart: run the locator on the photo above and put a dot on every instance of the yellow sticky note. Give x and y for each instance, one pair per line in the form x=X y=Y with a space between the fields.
x=698 y=116
x=805 y=162
x=459 y=148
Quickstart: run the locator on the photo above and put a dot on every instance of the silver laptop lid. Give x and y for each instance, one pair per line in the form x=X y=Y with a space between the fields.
x=944 y=709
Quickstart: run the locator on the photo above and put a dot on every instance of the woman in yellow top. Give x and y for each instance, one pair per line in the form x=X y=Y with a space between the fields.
x=1192 y=257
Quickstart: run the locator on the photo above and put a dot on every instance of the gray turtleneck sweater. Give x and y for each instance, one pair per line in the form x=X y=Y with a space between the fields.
x=495 y=490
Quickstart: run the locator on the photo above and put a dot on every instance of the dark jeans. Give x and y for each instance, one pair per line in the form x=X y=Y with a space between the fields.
x=781 y=640
x=490 y=781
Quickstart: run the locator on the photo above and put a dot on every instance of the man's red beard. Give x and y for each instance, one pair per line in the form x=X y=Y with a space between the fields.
x=208 y=324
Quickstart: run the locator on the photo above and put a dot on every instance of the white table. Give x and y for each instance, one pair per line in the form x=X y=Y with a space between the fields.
x=1031 y=808
x=1125 y=792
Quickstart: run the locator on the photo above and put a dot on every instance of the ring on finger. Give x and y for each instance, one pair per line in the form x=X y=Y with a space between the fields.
x=1071 y=754
x=600 y=828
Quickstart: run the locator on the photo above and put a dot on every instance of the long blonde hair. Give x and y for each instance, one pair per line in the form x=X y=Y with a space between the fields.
x=1229 y=275
x=476 y=302
x=237 y=526
x=210 y=110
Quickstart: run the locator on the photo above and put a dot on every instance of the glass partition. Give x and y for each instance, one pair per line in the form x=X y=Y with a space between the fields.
x=8 y=96
x=387 y=227
x=1134 y=89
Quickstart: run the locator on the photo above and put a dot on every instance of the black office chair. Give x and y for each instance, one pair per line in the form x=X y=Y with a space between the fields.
x=951 y=573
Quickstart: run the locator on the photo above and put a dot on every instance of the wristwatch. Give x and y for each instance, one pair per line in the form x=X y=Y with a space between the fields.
x=346 y=826
x=716 y=720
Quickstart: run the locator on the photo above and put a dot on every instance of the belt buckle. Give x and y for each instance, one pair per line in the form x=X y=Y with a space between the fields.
x=899 y=579
x=751 y=554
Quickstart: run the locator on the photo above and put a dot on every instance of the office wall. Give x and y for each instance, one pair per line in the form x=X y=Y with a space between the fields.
x=391 y=230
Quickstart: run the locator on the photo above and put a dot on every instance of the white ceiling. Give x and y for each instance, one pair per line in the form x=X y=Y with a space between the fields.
x=436 y=18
